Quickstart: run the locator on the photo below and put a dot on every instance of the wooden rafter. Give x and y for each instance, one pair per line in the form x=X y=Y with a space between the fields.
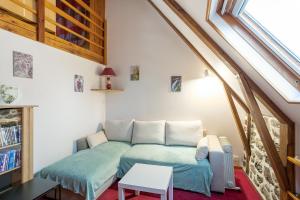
x=263 y=131
x=238 y=122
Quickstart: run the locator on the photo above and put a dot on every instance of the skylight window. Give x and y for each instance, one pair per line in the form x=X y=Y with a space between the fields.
x=279 y=20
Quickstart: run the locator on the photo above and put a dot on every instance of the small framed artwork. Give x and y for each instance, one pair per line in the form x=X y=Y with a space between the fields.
x=176 y=83
x=22 y=65
x=134 y=73
x=78 y=83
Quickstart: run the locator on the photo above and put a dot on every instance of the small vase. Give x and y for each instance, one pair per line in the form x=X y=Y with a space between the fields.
x=8 y=93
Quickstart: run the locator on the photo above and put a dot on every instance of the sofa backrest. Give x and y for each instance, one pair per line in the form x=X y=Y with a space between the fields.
x=186 y=133
x=148 y=132
x=119 y=130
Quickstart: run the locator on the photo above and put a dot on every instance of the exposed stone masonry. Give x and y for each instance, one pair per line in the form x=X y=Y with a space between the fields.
x=260 y=171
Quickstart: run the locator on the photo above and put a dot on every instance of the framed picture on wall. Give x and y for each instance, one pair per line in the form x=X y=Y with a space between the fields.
x=78 y=83
x=134 y=73
x=176 y=83
x=22 y=65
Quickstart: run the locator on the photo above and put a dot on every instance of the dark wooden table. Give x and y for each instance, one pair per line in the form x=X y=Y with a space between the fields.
x=32 y=190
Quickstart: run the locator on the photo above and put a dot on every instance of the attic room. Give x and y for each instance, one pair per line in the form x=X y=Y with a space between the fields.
x=149 y=99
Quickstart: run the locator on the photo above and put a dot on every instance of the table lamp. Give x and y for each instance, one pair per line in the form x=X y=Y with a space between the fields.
x=108 y=72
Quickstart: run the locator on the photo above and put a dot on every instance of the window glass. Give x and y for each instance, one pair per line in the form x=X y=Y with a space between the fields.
x=280 y=18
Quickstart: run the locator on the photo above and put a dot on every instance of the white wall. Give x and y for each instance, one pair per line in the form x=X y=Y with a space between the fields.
x=139 y=36
x=63 y=115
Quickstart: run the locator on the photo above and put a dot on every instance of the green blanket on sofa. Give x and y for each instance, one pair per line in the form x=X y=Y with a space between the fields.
x=86 y=171
x=189 y=174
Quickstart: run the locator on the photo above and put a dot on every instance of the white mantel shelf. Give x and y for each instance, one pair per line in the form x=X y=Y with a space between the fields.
x=108 y=91
x=16 y=106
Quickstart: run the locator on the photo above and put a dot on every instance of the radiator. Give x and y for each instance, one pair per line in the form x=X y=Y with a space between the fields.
x=228 y=163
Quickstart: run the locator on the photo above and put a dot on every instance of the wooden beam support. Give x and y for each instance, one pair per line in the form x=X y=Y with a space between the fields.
x=238 y=122
x=263 y=131
x=240 y=101
x=40 y=5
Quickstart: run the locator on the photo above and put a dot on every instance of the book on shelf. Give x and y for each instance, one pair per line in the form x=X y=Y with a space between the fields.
x=10 y=135
x=9 y=160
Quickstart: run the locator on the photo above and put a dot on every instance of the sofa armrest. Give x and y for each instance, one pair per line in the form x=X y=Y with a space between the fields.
x=216 y=159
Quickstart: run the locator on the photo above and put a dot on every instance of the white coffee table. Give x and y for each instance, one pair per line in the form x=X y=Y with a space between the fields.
x=148 y=178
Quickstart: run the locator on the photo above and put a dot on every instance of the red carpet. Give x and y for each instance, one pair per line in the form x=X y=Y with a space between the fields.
x=248 y=192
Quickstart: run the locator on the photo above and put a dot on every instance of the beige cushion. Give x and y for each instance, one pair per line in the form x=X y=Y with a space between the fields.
x=187 y=133
x=202 y=149
x=119 y=130
x=96 y=139
x=148 y=132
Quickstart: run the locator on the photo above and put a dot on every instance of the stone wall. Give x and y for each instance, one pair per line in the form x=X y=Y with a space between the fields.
x=260 y=171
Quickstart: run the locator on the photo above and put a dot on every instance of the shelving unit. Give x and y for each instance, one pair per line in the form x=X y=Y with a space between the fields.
x=20 y=119
x=10 y=146
x=11 y=170
x=295 y=161
x=108 y=91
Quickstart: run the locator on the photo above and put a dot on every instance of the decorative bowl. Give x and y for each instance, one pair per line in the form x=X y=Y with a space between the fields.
x=8 y=93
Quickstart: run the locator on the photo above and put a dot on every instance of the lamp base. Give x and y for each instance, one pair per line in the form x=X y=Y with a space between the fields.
x=108 y=83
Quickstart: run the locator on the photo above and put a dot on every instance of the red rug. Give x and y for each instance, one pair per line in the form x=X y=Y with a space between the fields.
x=248 y=192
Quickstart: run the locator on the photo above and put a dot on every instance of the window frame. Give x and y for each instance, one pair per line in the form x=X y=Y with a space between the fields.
x=267 y=39
x=214 y=10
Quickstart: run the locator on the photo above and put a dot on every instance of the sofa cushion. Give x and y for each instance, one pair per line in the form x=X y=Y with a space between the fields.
x=87 y=171
x=96 y=139
x=188 y=173
x=82 y=144
x=119 y=130
x=187 y=133
x=148 y=132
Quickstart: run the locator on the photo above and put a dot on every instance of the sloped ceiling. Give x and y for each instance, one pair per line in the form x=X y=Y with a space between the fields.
x=197 y=9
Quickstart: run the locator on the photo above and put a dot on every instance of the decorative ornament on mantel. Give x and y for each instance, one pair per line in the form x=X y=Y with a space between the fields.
x=108 y=72
x=8 y=93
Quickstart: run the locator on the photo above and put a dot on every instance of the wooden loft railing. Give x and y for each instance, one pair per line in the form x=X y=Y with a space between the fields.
x=41 y=20
x=284 y=170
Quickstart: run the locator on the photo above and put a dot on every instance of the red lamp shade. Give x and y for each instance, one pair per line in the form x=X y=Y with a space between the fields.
x=108 y=71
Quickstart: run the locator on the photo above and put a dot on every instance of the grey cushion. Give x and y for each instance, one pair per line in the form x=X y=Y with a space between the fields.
x=119 y=130
x=82 y=144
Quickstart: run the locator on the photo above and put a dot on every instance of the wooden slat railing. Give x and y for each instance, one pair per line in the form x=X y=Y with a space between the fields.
x=94 y=30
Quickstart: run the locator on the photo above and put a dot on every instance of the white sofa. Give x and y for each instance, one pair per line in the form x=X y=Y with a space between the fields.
x=182 y=133
x=151 y=142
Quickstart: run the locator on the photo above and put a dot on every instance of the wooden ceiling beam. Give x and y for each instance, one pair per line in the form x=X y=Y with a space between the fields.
x=238 y=122
x=265 y=136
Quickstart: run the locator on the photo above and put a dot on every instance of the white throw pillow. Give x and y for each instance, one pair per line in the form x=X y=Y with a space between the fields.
x=148 y=132
x=186 y=133
x=119 y=130
x=96 y=139
x=202 y=149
